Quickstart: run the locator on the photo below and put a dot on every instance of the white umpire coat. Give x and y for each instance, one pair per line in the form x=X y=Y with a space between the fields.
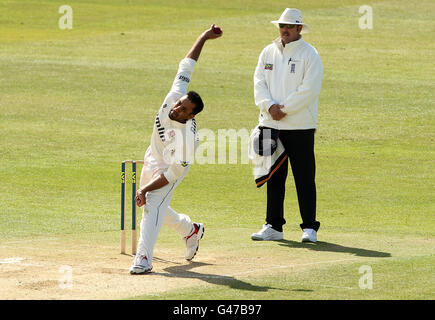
x=290 y=76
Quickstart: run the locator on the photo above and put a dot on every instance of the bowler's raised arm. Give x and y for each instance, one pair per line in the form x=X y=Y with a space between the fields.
x=212 y=33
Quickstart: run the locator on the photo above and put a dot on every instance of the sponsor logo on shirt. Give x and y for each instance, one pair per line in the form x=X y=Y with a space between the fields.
x=184 y=163
x=183 y=78
x=292 y=68
x=268 y=66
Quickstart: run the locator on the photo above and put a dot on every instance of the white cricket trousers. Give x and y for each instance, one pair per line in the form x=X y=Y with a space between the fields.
x=157 y=212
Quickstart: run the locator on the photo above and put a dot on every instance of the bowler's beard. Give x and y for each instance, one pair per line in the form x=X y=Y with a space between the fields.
x=175 y=119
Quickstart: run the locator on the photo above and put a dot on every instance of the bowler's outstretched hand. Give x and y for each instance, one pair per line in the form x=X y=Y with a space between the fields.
x=213 y=33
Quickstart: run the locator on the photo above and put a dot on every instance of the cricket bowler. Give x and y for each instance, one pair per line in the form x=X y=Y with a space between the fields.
x=167 y=161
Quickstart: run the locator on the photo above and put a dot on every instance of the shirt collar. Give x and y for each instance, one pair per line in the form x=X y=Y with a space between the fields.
x=168 y=122
x=290 y=45
x=176 y=124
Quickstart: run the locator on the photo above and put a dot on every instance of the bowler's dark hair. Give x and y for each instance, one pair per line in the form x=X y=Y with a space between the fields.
x=195 y=99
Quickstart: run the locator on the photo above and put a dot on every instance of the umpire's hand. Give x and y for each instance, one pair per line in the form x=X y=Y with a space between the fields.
x=276 y=112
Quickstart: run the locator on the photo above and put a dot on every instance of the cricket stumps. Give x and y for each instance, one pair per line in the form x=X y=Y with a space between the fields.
x=133 y=205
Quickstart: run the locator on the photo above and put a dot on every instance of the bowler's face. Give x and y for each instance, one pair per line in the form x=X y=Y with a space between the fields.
x=182 y=110
x=289 y=32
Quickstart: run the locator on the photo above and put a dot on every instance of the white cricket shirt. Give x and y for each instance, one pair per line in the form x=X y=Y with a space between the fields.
x=290 y=76
x=173 y=143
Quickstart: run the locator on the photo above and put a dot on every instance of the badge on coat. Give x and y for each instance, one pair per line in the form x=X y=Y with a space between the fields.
x=268 y=66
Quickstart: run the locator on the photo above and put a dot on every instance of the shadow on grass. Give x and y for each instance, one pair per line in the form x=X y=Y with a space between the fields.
x=302 y=290
x=332 y=247
x=184 y=271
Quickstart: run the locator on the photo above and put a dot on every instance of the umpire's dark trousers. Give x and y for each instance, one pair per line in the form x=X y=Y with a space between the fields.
x=299 y=146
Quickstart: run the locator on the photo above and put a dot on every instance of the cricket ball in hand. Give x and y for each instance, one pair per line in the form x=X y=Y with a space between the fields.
x=217 y=30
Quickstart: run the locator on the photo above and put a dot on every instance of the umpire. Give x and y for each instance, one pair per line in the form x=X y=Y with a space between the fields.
x=287 y=84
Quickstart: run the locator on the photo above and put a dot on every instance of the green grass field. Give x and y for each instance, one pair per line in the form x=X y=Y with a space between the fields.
x=75 y=103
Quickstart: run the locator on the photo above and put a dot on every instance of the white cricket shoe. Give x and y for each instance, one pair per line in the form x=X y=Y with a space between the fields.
x=192 y=240
x=140 y=265
x=309 y=235
x=267 y=233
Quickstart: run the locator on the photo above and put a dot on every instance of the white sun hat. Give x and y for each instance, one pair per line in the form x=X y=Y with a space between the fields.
x=291 y=16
